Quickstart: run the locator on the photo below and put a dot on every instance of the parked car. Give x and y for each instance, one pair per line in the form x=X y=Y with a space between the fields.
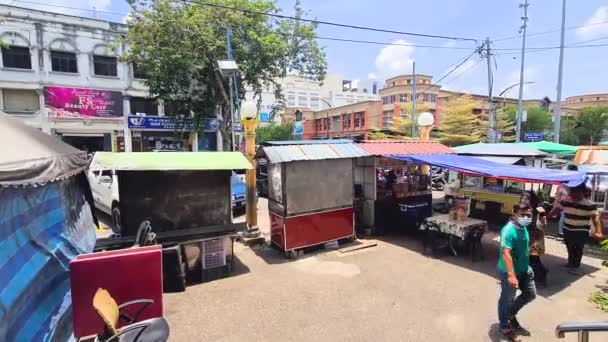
x=239 y=191
x=104 y=186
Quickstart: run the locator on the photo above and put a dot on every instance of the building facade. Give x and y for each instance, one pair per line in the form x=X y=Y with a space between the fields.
x=63 y=75
x=573 y=104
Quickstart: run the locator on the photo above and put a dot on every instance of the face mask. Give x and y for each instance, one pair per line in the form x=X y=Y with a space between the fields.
x=524 y=221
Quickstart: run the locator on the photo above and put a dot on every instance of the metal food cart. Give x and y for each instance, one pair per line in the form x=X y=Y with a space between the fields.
x=397 y=193
x=186 y=199
x=310 y=192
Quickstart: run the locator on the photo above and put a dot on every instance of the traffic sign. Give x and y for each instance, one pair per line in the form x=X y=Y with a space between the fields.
x=533 y=136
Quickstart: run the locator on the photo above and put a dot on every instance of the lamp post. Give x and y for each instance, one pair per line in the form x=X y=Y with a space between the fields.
x=249 y=117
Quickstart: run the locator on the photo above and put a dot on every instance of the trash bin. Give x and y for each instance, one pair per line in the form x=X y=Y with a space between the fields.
x=413 y=214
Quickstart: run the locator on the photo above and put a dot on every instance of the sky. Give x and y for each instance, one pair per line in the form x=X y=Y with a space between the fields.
x=585 y=69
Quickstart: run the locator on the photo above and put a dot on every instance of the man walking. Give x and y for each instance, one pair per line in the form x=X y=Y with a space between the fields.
x=515 y=271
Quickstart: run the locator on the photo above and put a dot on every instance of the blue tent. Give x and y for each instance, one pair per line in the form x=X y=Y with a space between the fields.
x=45 y=221
x=478 y=166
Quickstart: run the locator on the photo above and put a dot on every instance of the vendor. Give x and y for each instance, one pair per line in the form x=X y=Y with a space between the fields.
x=390 y=179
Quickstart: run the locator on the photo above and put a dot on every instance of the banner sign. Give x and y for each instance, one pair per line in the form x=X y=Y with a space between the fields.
x=298 y=128
x=77 y=103
x=169 y=123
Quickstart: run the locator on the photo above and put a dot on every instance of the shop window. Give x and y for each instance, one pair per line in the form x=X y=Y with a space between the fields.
x=139 y=72
x=64 y=61
x=20 y=101
x=299 y=116
x=140 y=105
x=104 y=66
x=17 y=57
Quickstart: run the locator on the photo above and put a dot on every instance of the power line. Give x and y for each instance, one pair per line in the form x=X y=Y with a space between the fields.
x=329 y=23
x=551 y=31
x=470 y=68
x=435 y=83
x=393 y=44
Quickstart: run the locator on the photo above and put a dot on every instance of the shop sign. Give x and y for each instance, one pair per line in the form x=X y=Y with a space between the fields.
x=298 y=128
x=78 y=103
x=168 y=123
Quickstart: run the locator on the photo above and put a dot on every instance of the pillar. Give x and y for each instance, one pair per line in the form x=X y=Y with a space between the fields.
x=127 y=132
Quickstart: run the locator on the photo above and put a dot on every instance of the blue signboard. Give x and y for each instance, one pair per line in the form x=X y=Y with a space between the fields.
x=298 y=128
x=168 y=123
x=533 y=136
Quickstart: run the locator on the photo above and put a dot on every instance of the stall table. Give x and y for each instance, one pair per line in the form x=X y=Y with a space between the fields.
x=469 y=230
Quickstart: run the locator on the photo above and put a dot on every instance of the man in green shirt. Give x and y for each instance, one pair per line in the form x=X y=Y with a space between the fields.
x=515 y=272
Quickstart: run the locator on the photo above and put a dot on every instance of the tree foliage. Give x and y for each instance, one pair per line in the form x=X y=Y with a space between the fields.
x=538 y=120
x=178 y=45
x=505 y=127
x=590 y=123
x=460 y=125
x=274 y=132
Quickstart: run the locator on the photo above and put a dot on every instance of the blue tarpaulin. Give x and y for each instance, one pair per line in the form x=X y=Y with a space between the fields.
x=477 y=166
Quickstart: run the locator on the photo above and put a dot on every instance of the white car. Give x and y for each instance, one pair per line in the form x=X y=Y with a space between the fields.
x=104 y=186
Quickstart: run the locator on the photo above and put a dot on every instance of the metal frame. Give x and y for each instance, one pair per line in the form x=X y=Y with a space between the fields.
x=582 y=329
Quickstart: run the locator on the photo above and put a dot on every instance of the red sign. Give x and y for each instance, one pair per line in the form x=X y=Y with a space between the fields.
x=82 y=103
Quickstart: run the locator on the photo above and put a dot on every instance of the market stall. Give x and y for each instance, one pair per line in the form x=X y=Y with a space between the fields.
x=397 y=193
x=310 y=192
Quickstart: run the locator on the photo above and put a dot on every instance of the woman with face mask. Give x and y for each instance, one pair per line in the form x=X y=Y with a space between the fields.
x=536 y=229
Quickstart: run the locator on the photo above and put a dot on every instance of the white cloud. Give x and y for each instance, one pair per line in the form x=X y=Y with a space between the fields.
x=596 y=25
x=395 y=59
x=371 y=76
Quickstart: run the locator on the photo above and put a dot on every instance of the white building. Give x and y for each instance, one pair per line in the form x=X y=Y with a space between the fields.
x=62 y=74
x=299 y=91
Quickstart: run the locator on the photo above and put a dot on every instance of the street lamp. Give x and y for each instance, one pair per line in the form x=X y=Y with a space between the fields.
x=518 y=116
x=228 y=69
x=249 y=117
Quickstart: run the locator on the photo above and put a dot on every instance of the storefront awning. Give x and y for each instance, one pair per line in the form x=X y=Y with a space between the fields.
x=170 y=161
x=476 y=166
x=501 y=160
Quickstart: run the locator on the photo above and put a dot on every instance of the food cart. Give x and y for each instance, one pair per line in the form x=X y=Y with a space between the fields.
x=397 y=193
x=184 y=199
x=310 y=192
x=473 y=231
x=491 y=194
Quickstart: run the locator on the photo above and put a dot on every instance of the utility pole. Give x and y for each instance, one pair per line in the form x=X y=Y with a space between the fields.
x=521 y=71
x=491 y=114
x=414 y=98
x=558 y=109
x=230 y=86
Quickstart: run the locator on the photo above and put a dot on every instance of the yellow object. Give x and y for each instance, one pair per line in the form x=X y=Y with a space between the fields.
x=506 y=200
x=107 y=309
x=251 y=209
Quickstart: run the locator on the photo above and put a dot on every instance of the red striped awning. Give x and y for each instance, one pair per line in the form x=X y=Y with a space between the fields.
x=401 y=147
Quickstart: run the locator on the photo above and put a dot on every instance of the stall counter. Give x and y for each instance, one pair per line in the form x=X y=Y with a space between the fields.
x=506 y=200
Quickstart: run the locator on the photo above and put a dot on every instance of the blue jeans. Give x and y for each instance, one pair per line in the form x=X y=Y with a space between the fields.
x=508 y=305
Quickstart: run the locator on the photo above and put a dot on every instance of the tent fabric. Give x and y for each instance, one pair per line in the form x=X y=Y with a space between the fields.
x=389 y=147
x=30 y=156
x=42 y=229
x=551 y=147
x=499 y=149
x=170 y=161
x=501 y=160
x=473 y=165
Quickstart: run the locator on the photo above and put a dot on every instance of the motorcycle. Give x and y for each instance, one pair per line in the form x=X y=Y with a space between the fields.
x=439 y=178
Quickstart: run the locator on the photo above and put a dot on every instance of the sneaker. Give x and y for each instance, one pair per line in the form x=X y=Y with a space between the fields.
x=516 y=326
x=510 y=335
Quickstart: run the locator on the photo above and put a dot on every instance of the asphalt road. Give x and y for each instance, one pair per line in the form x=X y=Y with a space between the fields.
x=391 y=292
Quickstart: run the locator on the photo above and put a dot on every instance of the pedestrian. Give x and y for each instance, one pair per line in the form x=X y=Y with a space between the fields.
x=515 y=272
x=536 y=230
x=562 y=194
x=579 y=214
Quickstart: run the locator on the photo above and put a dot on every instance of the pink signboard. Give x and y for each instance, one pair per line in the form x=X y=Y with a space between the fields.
x=66 y=103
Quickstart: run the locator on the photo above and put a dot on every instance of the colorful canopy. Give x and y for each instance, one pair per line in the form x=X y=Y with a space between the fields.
x=477 y=166
x=551 y=147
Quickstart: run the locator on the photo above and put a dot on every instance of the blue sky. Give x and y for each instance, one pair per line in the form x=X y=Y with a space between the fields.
x=586 y=69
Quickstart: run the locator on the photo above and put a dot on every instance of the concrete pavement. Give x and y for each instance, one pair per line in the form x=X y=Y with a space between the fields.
x=391 y=292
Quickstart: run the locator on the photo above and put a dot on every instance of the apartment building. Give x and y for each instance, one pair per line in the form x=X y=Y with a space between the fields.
x=63 y=75
x=574 y=103
x=399 y=91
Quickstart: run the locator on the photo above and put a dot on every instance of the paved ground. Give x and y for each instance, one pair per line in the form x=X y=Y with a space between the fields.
x=391 y=292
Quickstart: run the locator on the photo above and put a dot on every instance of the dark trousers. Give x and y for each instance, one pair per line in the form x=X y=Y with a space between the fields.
x=575 y=242
x=508 y=305
x=540 y=271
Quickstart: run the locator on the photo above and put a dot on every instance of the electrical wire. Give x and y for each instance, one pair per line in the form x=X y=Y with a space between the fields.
x=70 y=7
x=551 y=31
x=476 y=51
x=392 y=44
x=329 y=23
x=470 y=68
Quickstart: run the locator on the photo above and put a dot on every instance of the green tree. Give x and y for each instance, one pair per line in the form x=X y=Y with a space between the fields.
x=568 y=132
x=274 y=132
x=460 y=125
x=590 y=124
x=504 y=126
x=538 y=120
x=178 y=45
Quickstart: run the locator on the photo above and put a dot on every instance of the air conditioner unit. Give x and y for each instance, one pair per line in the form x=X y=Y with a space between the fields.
x=213 y=253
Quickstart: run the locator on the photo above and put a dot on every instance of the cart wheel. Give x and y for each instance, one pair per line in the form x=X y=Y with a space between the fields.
x=293 y=254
